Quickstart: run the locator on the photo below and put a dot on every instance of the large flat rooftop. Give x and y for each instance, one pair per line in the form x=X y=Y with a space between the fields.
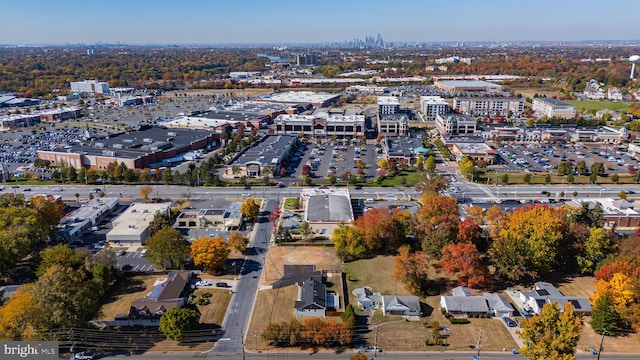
x=298 y=97
x=134 y=144
x=264 y=152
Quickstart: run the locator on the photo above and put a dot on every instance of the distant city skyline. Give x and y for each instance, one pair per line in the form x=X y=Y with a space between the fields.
x=329 y=21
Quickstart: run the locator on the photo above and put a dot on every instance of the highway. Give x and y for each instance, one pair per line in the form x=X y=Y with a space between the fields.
x=468 y=191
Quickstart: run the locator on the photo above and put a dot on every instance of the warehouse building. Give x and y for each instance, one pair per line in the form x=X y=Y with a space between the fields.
x=131 y=228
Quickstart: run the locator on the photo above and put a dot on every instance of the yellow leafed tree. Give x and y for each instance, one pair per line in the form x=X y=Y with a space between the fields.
x=209 y=253
x=18 y=316
x=620 y=287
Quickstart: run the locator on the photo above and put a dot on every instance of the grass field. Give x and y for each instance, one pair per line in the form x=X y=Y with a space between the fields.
x=274 y=305
x=405 y=178
x=375 y=273
x=598 y=105
x=128 y=290
x=518 y=178
x=214 y=312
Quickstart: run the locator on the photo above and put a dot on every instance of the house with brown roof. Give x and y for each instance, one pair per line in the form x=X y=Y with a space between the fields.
x=165 y=296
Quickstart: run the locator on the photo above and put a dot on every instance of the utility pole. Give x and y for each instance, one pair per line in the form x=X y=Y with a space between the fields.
x=604 y=331
x=375 y=351
x=242 y=342
x=479 y=343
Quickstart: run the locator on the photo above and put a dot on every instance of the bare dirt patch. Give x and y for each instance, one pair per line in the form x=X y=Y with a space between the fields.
x=322 y=257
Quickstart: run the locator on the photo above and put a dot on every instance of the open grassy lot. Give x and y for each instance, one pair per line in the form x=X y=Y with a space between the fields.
x=375 y=273
x=213 y=314
x=274 y=305
x=539 y=178
x=405 y=178
x=598 y=105
x=127 y=290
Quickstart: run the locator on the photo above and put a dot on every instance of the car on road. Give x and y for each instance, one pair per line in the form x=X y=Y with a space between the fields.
x=203 y=283
x=57 y=189
x=358 y=187
x=222 y=284
x=96 y=190
x=509 y=321
x=544 y=192
x=120 y=253
x=26 y=189
x=83 y=356
x=281 y=185
x=246 y=195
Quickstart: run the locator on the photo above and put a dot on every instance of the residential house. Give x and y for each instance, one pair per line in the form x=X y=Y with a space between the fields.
x=498 y=305
x=313 y=299
x=593 y=90
x=165 y=296
x=367 y=299
x=614 y=94
x=545 y=293
x=462 y=302
x=401 y=305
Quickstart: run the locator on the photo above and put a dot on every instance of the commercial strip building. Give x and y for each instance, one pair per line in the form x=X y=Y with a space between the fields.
x=488 y=106
x=323 y=122
x=325 y=209
x=90 y=86
x=210 y=218
x=431 y=106
x=404 y=149
x=10 y=101
x=472 y=86
x=268 y=153
x=524 y=134
x=10 y=122
x=301 y=98
x=553 y=108
x=131 y=228
x=136 y=149
x=74 y=224
x=474 y=151
x=455 y=124
x=219 y=121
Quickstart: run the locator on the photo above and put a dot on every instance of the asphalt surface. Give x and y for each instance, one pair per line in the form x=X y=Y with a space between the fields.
x=236 y=321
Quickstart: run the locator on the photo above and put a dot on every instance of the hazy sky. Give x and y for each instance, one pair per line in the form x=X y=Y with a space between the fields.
x=302 y=21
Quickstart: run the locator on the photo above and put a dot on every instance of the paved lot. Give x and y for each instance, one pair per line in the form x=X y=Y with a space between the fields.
x=336 y=158
x=136 y=260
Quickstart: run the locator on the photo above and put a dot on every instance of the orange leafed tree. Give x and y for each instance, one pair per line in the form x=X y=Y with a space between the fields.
x=464 y=260
x=209 y=253
x=380 y=230
x=411 y=269
x=19 y=316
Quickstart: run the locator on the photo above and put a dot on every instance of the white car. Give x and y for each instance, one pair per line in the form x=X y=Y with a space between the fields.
x=57 y=189
x=83 y=356
x=203 y=283
x=246 y=195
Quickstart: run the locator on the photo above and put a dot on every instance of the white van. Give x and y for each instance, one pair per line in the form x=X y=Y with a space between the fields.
x=143 y=253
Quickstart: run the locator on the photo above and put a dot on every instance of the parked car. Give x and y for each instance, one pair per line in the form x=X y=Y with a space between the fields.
x=509 y=321
x=127 y=267
x=222 y=284
x=203 y=283
x=120 y=253
x=83 y=356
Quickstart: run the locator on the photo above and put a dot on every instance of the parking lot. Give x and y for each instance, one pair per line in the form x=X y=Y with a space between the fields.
x=546 y=157
x=133 y=260
x=336 y=158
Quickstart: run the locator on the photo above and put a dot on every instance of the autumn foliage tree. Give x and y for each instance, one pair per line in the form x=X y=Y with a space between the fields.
x=411 y=269
x=529 y=241
x=380 y=230
x=312 y=332
x=463 y=260
x=250 y=209
x=437 y=222
x=20 y=316
x=238 y=241
x=209 y=253
x=553 y=334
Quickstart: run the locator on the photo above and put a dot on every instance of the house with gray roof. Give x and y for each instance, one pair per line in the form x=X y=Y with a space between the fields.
x=367 y=299
x=462 y=302
x=312 y=298
x=498 y=305
x=545 y=293
x=400 y=305
x=165 y=296
x=325 y=209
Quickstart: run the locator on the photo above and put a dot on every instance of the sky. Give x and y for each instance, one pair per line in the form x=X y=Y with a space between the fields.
x=319 y=21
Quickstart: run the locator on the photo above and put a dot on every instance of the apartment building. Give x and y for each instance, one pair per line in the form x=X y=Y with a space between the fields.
x=488 y=106
x=432 y=106
x=553 y=108
x=455 y=124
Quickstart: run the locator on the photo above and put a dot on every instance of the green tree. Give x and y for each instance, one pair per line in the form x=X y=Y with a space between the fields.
x=622 y=195
x=547 y=179
x=160 y=221
x=603 y=315
x=597 y=168
x=527 y=178
x=552 y=334
x=593 y=178
x=349 y=316
x=250 y=209
x=615 y=178
x=570 y=178
x=466 y=167
x=596 y=247
x=283 y=235
x=564 y=168
x=66 y=296
x=305 y=229
x=581 y=167
x=64 y=256
x=504 y=178
x=175 y=322
x=167 y=249
x=430 y=164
